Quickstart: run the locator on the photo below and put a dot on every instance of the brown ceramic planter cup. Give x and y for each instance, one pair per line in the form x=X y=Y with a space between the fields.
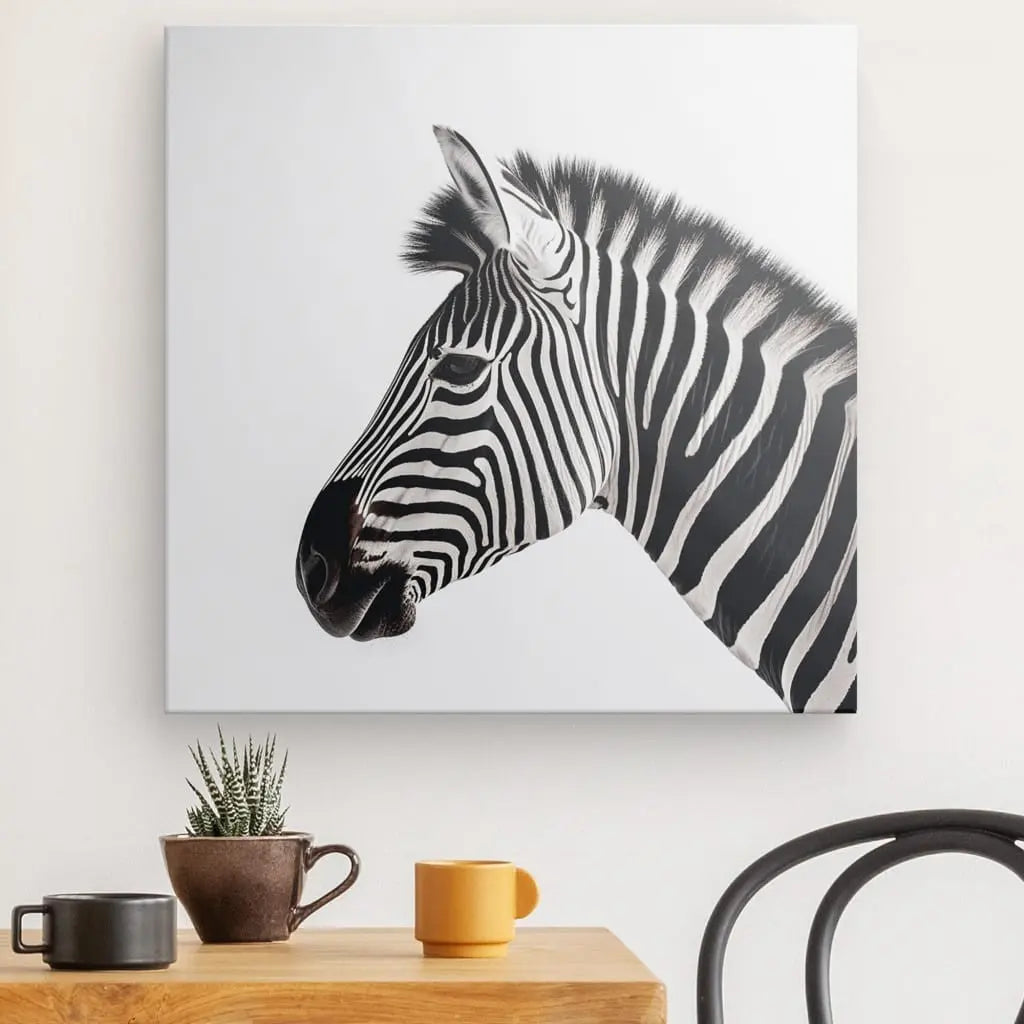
x=247 y=889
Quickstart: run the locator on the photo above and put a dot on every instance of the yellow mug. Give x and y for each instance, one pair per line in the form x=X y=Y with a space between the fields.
x=469 y=908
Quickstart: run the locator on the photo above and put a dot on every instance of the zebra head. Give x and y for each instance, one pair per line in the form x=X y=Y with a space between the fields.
x=495 y=432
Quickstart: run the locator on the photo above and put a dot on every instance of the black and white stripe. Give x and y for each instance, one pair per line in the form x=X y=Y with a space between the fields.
x=606 y=347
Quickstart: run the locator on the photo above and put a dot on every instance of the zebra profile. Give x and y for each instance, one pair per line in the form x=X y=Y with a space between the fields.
x=608 y=348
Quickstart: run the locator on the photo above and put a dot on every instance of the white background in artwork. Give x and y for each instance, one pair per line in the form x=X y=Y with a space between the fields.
x=297 y=159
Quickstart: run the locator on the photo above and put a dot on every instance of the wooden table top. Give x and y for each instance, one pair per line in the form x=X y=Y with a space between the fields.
x=350 y=976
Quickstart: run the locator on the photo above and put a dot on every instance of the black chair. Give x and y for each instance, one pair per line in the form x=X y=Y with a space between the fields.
x=988 y=834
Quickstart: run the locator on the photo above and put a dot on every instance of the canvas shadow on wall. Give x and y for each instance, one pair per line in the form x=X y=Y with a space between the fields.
x=426 y=311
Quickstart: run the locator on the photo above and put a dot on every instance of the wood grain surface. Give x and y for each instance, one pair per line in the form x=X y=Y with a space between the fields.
x=360 y=976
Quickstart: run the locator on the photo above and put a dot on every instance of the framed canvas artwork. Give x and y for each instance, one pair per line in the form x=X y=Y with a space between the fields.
x=441 y=296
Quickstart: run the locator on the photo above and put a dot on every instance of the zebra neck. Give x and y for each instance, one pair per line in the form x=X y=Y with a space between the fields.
x=671 y=365
x=734 y=465
x=695 y=372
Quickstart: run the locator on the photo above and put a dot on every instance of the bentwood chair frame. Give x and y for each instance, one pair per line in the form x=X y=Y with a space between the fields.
x=911 y=834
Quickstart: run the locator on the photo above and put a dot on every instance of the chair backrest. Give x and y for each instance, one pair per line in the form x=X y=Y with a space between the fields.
x=989 y=834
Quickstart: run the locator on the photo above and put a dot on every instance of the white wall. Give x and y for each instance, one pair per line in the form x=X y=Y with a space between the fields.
x=91 y=769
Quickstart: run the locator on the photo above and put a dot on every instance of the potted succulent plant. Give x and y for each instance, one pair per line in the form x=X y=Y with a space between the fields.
x=237 y=872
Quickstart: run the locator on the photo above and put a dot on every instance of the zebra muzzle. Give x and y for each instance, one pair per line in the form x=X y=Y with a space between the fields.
x=365 y=600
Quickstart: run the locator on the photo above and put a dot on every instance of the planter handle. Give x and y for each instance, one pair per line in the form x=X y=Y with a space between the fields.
x=313 y=854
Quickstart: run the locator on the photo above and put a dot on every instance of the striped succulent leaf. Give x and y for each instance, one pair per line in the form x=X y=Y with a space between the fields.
x=243 y=790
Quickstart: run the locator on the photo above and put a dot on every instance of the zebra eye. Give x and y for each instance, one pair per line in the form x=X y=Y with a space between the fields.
x=456 y=368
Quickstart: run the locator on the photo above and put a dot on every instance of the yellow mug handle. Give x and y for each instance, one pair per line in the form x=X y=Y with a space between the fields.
x=527 y=893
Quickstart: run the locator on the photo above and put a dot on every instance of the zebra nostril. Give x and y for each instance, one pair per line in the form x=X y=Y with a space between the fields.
x=315 y=576
x=325 y=546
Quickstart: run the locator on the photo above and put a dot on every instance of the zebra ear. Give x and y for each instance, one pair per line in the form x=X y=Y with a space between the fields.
x=514 y=223
x=475 y=183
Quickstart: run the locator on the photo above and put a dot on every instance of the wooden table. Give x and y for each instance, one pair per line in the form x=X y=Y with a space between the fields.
x=364 y=976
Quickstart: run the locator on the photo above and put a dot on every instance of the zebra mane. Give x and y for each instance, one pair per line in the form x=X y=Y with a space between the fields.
x=619 y=213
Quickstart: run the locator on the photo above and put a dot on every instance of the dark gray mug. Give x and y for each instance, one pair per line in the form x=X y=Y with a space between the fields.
x=102 y=931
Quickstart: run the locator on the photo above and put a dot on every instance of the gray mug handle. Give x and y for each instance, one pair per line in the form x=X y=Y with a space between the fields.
x=313 y=854
x=18 y=914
